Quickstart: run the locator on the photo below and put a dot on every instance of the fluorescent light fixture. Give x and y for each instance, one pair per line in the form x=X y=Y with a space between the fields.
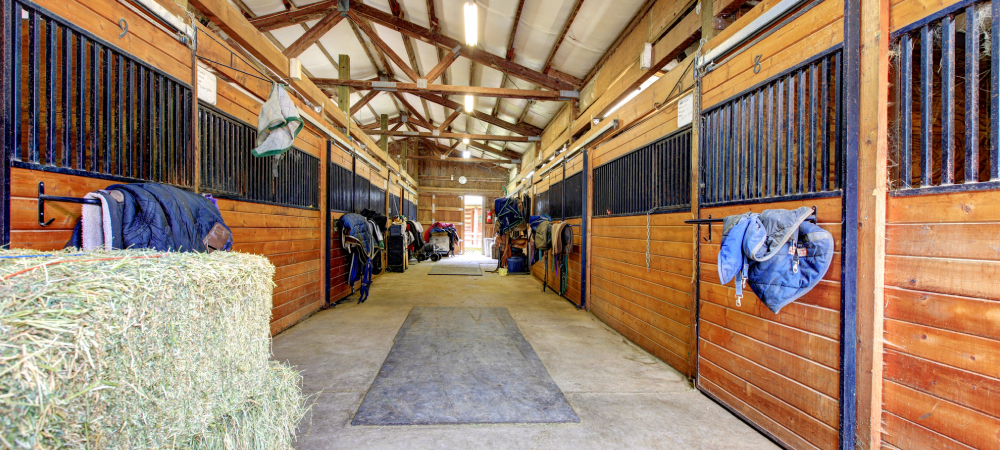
x=528 y=176
x=470 y=104
x=671 y=65
x=465 y=154
x=465 y=141
x=471 y=24
x=645 y=84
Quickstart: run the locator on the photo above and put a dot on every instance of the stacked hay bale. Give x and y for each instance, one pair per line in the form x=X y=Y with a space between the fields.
x=137 y=349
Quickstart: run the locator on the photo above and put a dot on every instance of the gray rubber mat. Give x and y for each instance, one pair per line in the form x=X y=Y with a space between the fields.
x=462 y=365
x=456 y=269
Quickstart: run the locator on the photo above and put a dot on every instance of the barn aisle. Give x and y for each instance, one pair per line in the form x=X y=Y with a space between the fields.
x=623 y=396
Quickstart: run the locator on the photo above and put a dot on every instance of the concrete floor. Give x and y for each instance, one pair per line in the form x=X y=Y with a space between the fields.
x=625 y=397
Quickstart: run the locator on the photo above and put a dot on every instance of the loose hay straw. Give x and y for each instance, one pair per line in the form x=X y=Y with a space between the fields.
x=138 y=349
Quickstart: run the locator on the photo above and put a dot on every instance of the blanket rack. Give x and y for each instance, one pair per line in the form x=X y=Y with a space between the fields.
x=710 y=220
x=42 y=198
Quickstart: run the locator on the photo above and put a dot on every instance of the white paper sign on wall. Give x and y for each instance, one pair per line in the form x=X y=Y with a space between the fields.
x=685 y=110
x=207 y=86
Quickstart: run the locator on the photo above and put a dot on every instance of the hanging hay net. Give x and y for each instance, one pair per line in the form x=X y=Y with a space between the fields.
x=139 y=349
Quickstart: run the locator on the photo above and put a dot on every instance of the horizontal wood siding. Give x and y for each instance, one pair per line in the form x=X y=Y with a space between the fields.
x=652 y=307
x=942 y=322
x=780 y=370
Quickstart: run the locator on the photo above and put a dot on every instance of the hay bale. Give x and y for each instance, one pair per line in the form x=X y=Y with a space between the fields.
x=138 y=349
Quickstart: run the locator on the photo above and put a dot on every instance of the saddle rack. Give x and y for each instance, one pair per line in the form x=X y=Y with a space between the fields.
x=710 y=220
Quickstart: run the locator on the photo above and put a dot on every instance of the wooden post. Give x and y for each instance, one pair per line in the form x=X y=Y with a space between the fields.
x=383 y=142
x=707 y=20
x=866 y=107
x=344 y=92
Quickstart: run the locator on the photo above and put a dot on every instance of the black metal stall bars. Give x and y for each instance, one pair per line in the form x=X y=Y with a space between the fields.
x=340 y=190
x=657 y=175
x=944 y=105
x=779 y=140
x=229 y=170
x=78 y=105
x=395 y=207
x=410 y=209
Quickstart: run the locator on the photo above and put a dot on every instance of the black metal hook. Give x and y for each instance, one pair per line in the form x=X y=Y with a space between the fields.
x=709 y=221
x=42 y=198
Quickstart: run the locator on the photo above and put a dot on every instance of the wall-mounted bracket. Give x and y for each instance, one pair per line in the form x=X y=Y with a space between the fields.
x=709 y=221
x=42 y=198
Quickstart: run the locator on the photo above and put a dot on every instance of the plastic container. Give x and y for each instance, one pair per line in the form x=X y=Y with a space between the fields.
x=517 y=264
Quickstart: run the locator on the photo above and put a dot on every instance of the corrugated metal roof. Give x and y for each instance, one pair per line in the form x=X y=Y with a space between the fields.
x=593 y=29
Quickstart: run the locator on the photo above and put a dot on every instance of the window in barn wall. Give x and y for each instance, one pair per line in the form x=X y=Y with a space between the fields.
x=946 y=101
x=779 y=140
x=229 y=170
x=341 y=188
x=657 y=175
x=81 y=106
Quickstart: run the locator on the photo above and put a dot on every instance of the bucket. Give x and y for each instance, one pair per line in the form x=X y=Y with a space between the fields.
x=517 y=264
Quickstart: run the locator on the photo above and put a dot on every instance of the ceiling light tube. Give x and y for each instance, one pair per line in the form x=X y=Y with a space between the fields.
x=471 y=24
x=470 y=104
x=465 y=154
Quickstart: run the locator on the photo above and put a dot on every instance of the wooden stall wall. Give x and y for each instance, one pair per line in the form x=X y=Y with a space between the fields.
x=780 y=371
x=652 y=307
x=290 y=237
x=339 y=260
x=941 y=356
x=942 y=322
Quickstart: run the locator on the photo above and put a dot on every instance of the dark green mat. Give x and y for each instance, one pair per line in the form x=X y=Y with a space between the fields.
x=462 y=365
x=456 y=269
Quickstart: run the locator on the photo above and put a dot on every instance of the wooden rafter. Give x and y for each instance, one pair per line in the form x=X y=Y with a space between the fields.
x=313 y=35
x=463 y=160
x=449 y=120
x=413 y=111
x=498 y=152
x=368 y=30
x=397 y=10
x=357 y=33
x=443 y=89
x=378 y=123
x=562 y=35
x=278 y=20
x=449 y=57
x=524 y=130
x=478 y=137
x=364 y=101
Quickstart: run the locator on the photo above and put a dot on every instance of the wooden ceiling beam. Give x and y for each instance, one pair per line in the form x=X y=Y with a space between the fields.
x=524 y=129
x=444 y=89
x=364 y=101
x=314 y=34
x=314 y=11
x=449 y=57
x=503 y=153
x=464 y=160
x=562 y=35
x=370 y=32
x=449 y=120
x=477 y=137
x=378 y=123
x=413 y=111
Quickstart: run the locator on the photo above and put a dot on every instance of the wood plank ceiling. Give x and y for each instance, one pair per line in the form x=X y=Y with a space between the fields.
x=532 y=56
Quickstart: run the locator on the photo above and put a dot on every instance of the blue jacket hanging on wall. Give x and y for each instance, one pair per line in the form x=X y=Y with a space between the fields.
x=777 y=253
x=357 y=236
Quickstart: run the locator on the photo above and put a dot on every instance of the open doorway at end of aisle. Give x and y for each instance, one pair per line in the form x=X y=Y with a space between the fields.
x=472 y=239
